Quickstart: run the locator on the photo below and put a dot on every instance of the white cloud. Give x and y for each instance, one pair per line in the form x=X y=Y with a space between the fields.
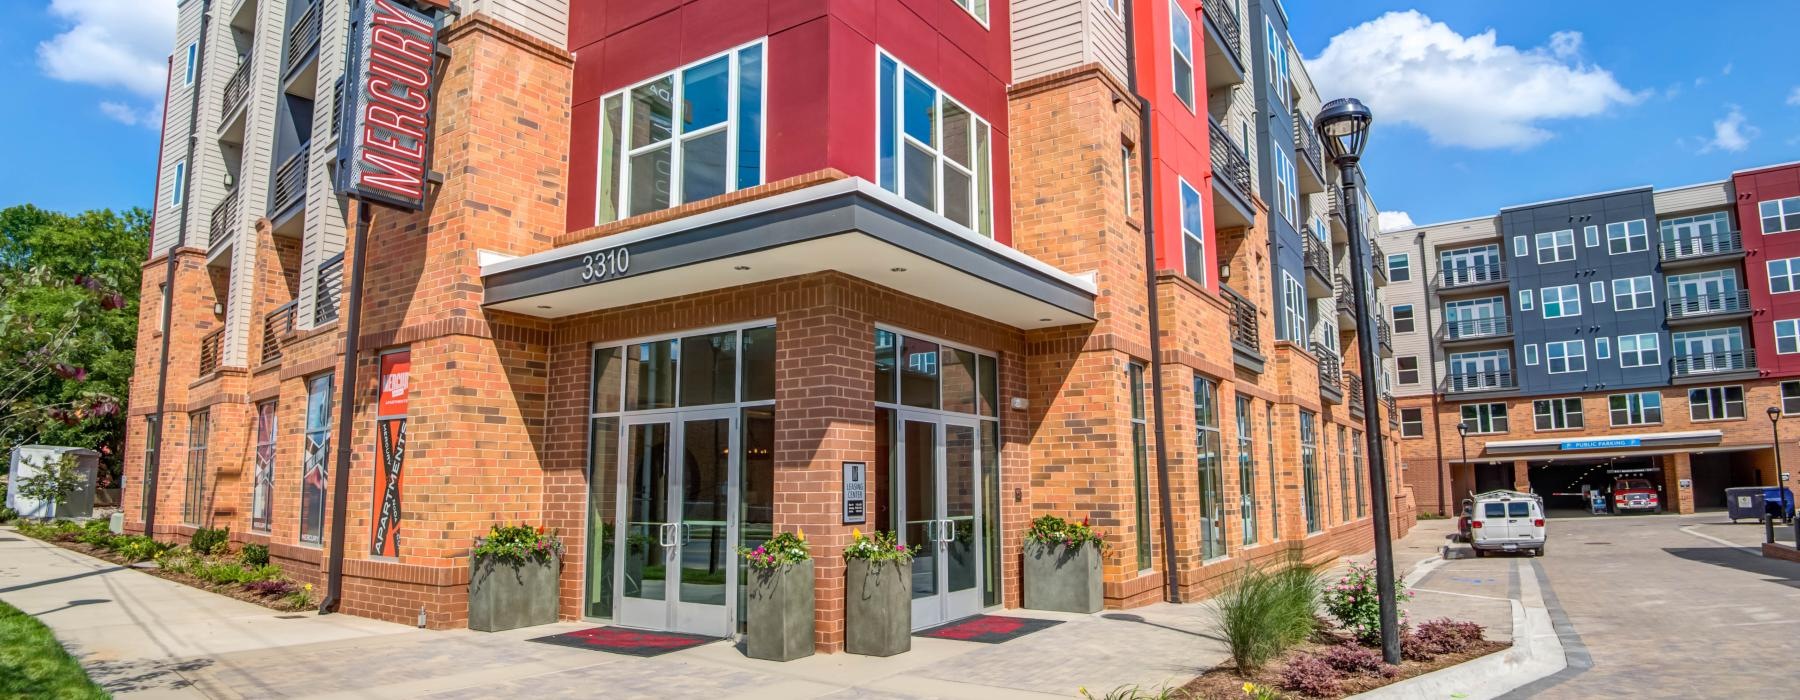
x=1732 y=132
x=130 y=116
x=1794 y=97
x=1726 y=70
x=1393 y=220
x=1464 y=90
x=111 y=43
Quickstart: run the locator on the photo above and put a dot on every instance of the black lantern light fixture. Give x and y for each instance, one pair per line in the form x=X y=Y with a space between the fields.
x=1344 y=126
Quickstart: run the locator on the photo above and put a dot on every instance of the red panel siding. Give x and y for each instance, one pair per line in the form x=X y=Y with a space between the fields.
x=1753 y=187
x=1178 y=134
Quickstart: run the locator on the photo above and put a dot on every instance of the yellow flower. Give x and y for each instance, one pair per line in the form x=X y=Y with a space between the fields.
x=1249 y=687
x=309 y=586
x=800 y=534
x=855 y=534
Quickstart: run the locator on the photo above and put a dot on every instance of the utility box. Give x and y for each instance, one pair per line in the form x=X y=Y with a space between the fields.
x=29 y=459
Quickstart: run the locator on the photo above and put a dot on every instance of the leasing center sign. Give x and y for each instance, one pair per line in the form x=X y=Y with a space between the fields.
x=388 y=80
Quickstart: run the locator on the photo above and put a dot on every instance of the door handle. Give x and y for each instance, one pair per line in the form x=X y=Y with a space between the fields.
x=931 y=534
x=949 y=527
x=687 y=533
x=665 y=536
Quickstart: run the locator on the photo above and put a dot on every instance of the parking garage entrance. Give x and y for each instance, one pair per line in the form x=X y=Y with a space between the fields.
x=1568 y=484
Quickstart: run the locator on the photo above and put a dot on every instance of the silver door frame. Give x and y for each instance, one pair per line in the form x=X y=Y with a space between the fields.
x=695 y=618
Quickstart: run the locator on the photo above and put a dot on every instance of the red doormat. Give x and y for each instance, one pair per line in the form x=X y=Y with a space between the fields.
x=988 y=629
x=621 y=640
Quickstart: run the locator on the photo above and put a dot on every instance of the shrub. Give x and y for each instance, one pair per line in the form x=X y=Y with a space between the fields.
x=136 y=548
x=878 y=546
x=271 y=587
x=1264 y=612
x=1355 y=660
x=254 y=555
x=7 y=514
x=1354 y=601
x=1439 y=637
x=101 y=538
x=781 y=550
x=518 y=544
x=209 y=540
x=1134 y=692
x=1052 y=530
x=1310 y=675
x=299 y=598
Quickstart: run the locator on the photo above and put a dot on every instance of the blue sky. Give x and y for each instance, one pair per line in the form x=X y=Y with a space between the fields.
x=1567 y=98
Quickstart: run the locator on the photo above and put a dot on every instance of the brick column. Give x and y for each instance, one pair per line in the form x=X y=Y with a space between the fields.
x=1675 y=468
x=1521 y=475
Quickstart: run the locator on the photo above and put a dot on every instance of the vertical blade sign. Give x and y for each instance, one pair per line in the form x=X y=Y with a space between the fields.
x=385 y=150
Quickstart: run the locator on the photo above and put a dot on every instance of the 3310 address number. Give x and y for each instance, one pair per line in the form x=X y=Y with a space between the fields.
x=604 y=264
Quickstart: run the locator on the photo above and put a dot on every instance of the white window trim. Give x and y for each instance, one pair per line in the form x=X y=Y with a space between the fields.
x=178 y=191
x=1555 y=248
x=1792 y=275
x=1780 y=212
x=939 y=160
x=1602 y=348
x=1632 y=293
x=1411 y=315
x=1597 y=292
x=1783 y=388
x=1531 y=355
x=981 y=18
x=1491 y=415
x=1525 y=303
x=1176 y=10
x=1793 y=325
x=1592 y=236
x=193 y=63
x=1405 y=262
x=1563 y=300
x=1580 y=347
x=1655 y=339
x=1296 y=332
x=1627 y=237
x=1553 y=404
x=1181 y=189
x=1521 y=246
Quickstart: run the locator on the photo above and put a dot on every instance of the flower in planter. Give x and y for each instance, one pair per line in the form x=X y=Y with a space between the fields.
x=877 y=547
x=1052 y=530
x=518 y=544
x=781 y=550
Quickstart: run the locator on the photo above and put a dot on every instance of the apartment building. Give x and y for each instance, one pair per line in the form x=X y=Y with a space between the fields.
x=685 y=265
x=1562 y=345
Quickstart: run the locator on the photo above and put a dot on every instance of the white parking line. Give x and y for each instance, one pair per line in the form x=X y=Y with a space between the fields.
x=1751 y=550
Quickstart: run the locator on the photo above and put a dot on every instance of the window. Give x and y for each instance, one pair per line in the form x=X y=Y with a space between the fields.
x=1212 y=477
x=1531 y=355
x=1293 y=310
x=315 y=465
x=976 y=8
x=1356 y=454
x=194 y=510
x=1597 y=292
x=1412 y=422
x=1484 y=418
x=1521 y=247
x=1403 y=318
x=1592 y=234
x=1343 y=474
x=178 y=189
x=1269 y=443
x=1563 y=301
x=1127 y=163
x=1716 y=403
x=931 y=144
x=1287 y=195
x=193 y=63
x=1641 y=350
x=682 y=137
x=1181 y=50
x=1408 y=368
x=1784 y=276
x=1140 y=456
x=1787 y=336
x=1193 y=232
x=1276 y=47
x=1246 y=457
x=1633 y=293
x=1309 y=469
x=1524 y=300
x=1779 y=215
x=1643 y=408
x=1602 y=348
x=1790 y=398
x=1399 y=267
x=262 y=491
x=1556 y=414
x=1627 y=237
x=1556 y=246
x=1565 y=356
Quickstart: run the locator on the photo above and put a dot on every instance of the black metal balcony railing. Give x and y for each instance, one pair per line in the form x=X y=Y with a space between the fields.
x=1224 y=18
x=1306 y=141
x=1384 y=333
x=277 y=325
x=1466 y=276
x=1479 y=381
x=1379 y=258
x=330 y=287
x=290 y=180
x=1346 y=297
x=1353 y=385
x=236 y=89
x=1701 y=246
x=1710 y=362
x=225 y=218
x=1317 y=253
x=1709 y=304
x=1393 y=408
x=1228 y=159
x=302 y=38
x=1473 y=328
x=337 y=104
x=1243 y=320
x=1331 y=367
x=212 y=347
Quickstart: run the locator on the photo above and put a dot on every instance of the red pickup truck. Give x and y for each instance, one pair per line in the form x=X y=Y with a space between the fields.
x=1635 y=494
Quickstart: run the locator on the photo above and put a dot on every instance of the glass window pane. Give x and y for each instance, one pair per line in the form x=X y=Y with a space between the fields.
x=612 y=137
x=990 y=509
x=756 y=481
x=956 y=133
x=705 y=94
x=921 y=177
x=650 y=375
x=708 y=368
x=959 y=380
x=887 y=133
x=984 y=214
x=886 y=350
x=603 y=460
x=958 y=206
x=990 y=386
x=652 y=112
x=920 y=115
x=650 y=181
x=703 y=167
x=759 y=364
x=919 y=373
x=749 y=123
x=606 y=385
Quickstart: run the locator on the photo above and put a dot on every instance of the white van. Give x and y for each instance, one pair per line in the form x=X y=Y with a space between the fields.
x=1507 y=521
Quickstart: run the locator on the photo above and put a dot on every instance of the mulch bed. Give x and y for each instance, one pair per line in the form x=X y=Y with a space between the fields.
x=276 y=603
x=1225 y=682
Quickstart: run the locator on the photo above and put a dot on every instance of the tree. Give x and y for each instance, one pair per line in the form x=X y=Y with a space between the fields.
x=68 y=327
x=52 y=483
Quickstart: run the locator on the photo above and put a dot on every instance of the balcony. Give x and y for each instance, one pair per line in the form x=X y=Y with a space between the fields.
x=225 y=218
x=1466 y=331
x=1708 y=307
x=1393 y=410
x=1246 y=349
x=1318 y=263
x=302 y=39
x=1696 y=250
x=212 y=348
x=1334 y=210
x=236 y=89
x=1231 y=180
x=1709 y=366
x=330 y=287
x=1378 y=260
x=1224 y=45
x=1346 y=303
x=277 y=325
x=1353 y=384
x=290 y=182
x=1306 y=143
x=1471 y=278
x=1331 y=373
x=1384 y=334
x=1479 y=382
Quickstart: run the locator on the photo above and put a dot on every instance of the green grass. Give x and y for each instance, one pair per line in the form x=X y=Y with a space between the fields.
x=1265 y=611
x=34 y=665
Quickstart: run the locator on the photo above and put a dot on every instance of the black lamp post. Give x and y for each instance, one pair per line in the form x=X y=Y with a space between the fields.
x=1462 y=429
x=1775 y=429
x=1344 y=126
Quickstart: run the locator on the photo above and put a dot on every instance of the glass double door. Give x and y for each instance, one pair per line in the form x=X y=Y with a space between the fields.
x=936 y=496
x=676 y=508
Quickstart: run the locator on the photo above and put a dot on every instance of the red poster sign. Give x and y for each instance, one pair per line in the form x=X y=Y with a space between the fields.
x=390 y=429
x=395 y=369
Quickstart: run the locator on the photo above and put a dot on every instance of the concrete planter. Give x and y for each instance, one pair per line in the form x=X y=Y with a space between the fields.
x=507 y=596
x=877 y=607
x=780 y=609
x=1058 y=578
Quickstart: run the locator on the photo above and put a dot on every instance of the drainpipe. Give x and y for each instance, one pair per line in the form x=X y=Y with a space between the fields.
x=154 y=464
x=1165 y=503
x=1437 y=433
x=340 y=486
